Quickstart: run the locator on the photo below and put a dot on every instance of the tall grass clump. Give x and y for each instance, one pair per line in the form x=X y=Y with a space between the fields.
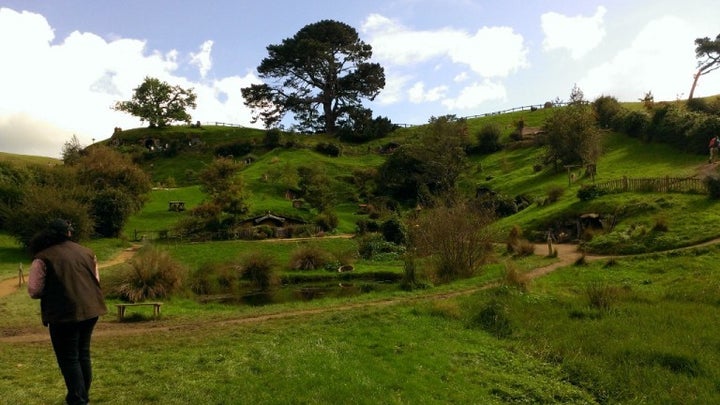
x=258 y=270
x=152 y=274
x=517 y=245
x=493 y=317
x=214 y=278
x=602 y=296
x=309 y=257
x=514 y=278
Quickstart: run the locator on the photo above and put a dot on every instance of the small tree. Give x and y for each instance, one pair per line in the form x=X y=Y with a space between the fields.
x=159 y=103
x=72 y=151
x=220 y=180
x=117 y=187
x=315 y=187
x=430 y=167
x=455 y=236
x=572 y=137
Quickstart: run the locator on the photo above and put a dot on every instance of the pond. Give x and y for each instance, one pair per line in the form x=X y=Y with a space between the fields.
x=304 y=292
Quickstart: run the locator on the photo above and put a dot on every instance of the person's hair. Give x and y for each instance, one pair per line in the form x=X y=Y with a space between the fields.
x=44 y=239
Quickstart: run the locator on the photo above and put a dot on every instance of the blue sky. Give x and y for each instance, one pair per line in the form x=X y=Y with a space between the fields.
x=66 y=62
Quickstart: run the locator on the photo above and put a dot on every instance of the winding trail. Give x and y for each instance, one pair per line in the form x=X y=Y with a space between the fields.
x=567 y=255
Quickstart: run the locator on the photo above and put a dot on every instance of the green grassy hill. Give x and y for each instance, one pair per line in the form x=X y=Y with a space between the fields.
x=511 y=171
x=636 y=325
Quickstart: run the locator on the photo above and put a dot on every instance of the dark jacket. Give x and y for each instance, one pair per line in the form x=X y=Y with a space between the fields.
x=71 y=293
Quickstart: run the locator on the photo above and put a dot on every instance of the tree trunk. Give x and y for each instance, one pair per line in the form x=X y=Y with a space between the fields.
x=696 y=76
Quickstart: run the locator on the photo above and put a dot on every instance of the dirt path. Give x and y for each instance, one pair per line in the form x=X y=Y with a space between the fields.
x=567 y=254
x=10 y=285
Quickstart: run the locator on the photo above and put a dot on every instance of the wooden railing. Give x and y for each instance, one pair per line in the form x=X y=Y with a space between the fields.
x=665 y=184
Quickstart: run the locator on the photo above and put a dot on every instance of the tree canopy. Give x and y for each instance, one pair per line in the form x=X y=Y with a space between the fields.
x=323 y=67
x=707 y=52
x=571 y=133
x=159 y=103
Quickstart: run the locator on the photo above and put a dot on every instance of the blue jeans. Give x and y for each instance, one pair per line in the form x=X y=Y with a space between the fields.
x=71 y=343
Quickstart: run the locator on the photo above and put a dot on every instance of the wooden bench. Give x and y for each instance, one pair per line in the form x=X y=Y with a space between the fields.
x=121 y=308
x=176 y=205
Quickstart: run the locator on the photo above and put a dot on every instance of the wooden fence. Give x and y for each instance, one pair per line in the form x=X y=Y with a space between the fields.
x=656 y=185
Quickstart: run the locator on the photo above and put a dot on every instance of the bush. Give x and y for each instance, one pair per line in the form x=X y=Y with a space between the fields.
x=602 y=296
x=493 y=318
x=373 y=246
x=327 y=221
x=713 y=186
x=152 y=274
x=309 y=257
x=455 y=237
x=633 y=123
x=214 y=278
x=363 y=226
x=393 y=230
x=587 y=193
x=234 y=149
x=329 y=149
x=606 y=108
x=258 y=269
x=513 y=278
x=489 y=139
x=554 y=193
x=272 y=138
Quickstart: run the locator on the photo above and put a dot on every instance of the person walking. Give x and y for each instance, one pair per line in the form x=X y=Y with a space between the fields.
x=64 y=276
x=714 y=145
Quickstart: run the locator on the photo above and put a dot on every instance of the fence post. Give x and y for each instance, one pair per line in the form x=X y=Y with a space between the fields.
x=625 y=183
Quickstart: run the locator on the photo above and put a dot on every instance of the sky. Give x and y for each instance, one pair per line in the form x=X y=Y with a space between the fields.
x=65 y=63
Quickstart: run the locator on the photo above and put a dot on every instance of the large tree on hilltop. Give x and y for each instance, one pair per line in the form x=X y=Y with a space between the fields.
x=159 y=103
x=707 y=52
x=323 y=67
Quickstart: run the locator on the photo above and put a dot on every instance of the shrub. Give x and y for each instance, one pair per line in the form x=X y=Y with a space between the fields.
x=493 y=318
x=258 y=269
x=393 y=231
x=633 y=123
x=327 y=221
x=309 y=257
x=661 y=225
x=713 y=186
x=606 y=108
x=272 y=138
x=489 y=139
x=602 y=296
x=554 y=193
x=213 y=278
x=363 y=226
x=234 y=149
x=373 y=246
x=513 y=278
x=329 y=149
x=152 y=274
x=455 y=237
x=587 y=193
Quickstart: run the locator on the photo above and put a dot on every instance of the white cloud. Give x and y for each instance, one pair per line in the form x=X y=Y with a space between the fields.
x=202 y=59
x=461 y=77
x=417 y=93
x=473 y=96
x=50 y=92
x=393 y=91
x=660 y=59
x=490 y=52
x=578 y=34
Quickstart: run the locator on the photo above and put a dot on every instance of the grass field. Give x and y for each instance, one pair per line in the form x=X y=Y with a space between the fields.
x=626 y=328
